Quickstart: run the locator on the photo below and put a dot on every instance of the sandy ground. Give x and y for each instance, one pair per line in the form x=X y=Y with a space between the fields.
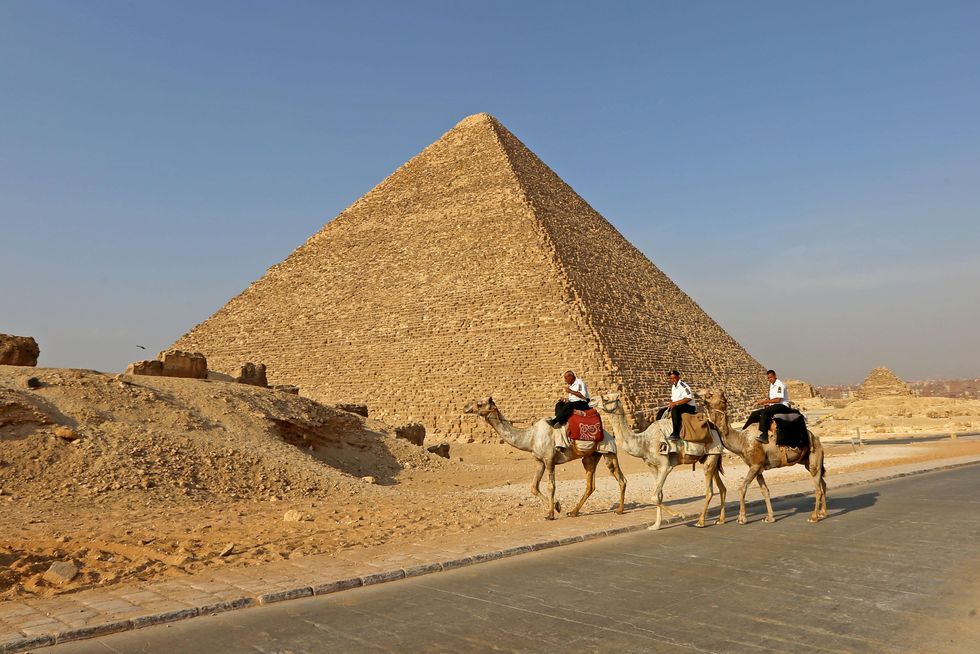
x=160 y=477
x=893 y=415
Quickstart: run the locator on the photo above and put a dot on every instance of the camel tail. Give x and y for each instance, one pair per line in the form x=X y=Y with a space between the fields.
x=721 y=464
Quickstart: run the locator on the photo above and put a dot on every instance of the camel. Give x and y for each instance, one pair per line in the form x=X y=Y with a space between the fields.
x=759 y=457
x=646 y=446
x=539 y=440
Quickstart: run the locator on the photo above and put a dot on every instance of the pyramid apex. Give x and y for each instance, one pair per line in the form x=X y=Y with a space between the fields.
x=481 y=118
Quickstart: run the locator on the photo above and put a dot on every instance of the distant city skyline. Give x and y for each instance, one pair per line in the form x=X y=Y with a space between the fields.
x=808 y=174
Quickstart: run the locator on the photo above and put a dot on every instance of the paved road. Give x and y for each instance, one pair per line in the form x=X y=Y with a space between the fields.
x=894 y=568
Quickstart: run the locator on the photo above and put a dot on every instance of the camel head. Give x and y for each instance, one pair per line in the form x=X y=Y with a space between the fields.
x=483 y=407
x=611 y=403
x=716 y=399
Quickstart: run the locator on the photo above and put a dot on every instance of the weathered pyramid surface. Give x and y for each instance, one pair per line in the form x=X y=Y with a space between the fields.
x=881 y=382
x=472 y=270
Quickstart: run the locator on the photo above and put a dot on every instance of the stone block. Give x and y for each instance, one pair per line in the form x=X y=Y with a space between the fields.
x=177 y=363
x=414 y=433
x=60 y=572
x=252 y=374
x=18 y=350
x=152 y=368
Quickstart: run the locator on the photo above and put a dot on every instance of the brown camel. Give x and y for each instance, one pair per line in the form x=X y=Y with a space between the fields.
x=759 y=457
x=646 y=446
x=539 y=440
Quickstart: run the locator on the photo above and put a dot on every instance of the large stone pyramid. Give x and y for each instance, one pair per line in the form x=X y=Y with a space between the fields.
x=881 y=382
x=472 y=270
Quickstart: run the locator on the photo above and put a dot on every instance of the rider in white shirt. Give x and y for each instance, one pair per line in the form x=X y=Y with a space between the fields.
x=778 y=402
x=578 y=399
x=681 y=402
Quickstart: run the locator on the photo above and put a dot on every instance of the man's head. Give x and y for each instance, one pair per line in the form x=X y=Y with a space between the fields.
x=569 y=376
x=674 y=376
x=771 y=376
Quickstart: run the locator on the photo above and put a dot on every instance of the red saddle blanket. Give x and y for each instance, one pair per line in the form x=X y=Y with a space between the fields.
x=585 y=426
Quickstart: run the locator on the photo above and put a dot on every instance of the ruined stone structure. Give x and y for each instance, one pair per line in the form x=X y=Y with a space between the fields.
x=472 y=270
x=881 y=382
x=800 y=390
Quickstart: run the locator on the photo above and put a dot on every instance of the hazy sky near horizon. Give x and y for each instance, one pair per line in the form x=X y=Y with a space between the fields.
x=808 y=172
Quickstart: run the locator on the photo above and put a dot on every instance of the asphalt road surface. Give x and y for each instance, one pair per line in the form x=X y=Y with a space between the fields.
x=895 y=568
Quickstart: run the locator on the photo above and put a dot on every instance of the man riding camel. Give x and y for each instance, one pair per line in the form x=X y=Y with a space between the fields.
x=681 y=402
x=778 y=402
x=578 y=399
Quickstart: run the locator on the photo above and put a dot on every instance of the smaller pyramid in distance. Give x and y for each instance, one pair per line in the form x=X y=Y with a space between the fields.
x=881 y=382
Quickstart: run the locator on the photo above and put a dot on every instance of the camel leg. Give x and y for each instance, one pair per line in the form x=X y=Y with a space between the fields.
x=710 y=472
x=536 y=482
x=612 y=462
x=589 y=463
x=749 y=476
x=722 y=491
x=551 y=492
x=765 y=495
x=658 y=497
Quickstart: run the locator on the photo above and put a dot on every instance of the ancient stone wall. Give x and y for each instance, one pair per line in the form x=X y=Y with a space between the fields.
x=800 y=390
x=445 y=283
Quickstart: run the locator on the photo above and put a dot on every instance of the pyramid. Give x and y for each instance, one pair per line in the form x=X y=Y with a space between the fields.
x=471 y=270
x=881 y=382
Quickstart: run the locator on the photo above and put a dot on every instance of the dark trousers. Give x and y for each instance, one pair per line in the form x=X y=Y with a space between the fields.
x=675 y=417
x=766 y=414
x=563 y=410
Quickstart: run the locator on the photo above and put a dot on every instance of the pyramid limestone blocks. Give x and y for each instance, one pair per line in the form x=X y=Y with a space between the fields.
x=472 y=270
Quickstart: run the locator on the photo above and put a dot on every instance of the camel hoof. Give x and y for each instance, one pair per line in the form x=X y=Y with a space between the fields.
x=654 y=527
x=741 y=519
x=768 y=519
x=619 y=512
x=813 y=519
x=719 y=521
x=549 y=517
x=572 y=514
x=699 y=523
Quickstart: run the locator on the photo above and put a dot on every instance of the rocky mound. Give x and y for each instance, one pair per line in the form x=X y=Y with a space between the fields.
x=84 y=432
x=881 y=382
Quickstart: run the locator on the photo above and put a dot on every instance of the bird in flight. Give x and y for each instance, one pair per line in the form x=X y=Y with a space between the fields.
x=141 y=347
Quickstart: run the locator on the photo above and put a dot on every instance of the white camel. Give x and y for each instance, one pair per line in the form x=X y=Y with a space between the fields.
x=539 y=440
x=647 y=444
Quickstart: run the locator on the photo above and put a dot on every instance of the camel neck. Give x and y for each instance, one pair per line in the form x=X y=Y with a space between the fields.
x=519 y=438
x=731 y=439
x=626 y=437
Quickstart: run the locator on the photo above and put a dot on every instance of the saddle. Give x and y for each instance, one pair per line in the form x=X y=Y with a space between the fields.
x=585 y=426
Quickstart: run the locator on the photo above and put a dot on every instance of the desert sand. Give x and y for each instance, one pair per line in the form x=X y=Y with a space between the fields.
x=137 y=478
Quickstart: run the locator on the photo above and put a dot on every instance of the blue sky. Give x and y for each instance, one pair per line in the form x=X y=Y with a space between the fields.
x=808 y=172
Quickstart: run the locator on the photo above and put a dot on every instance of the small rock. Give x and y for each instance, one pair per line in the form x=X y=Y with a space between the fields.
x=287 y=388
x=60 y=572
x=296 y=516
x=227 y=549
x=369 y=479
x=66 y=433
x=32 y=383
x=442 y=449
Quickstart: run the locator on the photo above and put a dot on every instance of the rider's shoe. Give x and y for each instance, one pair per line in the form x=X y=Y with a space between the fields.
x=762 y=438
